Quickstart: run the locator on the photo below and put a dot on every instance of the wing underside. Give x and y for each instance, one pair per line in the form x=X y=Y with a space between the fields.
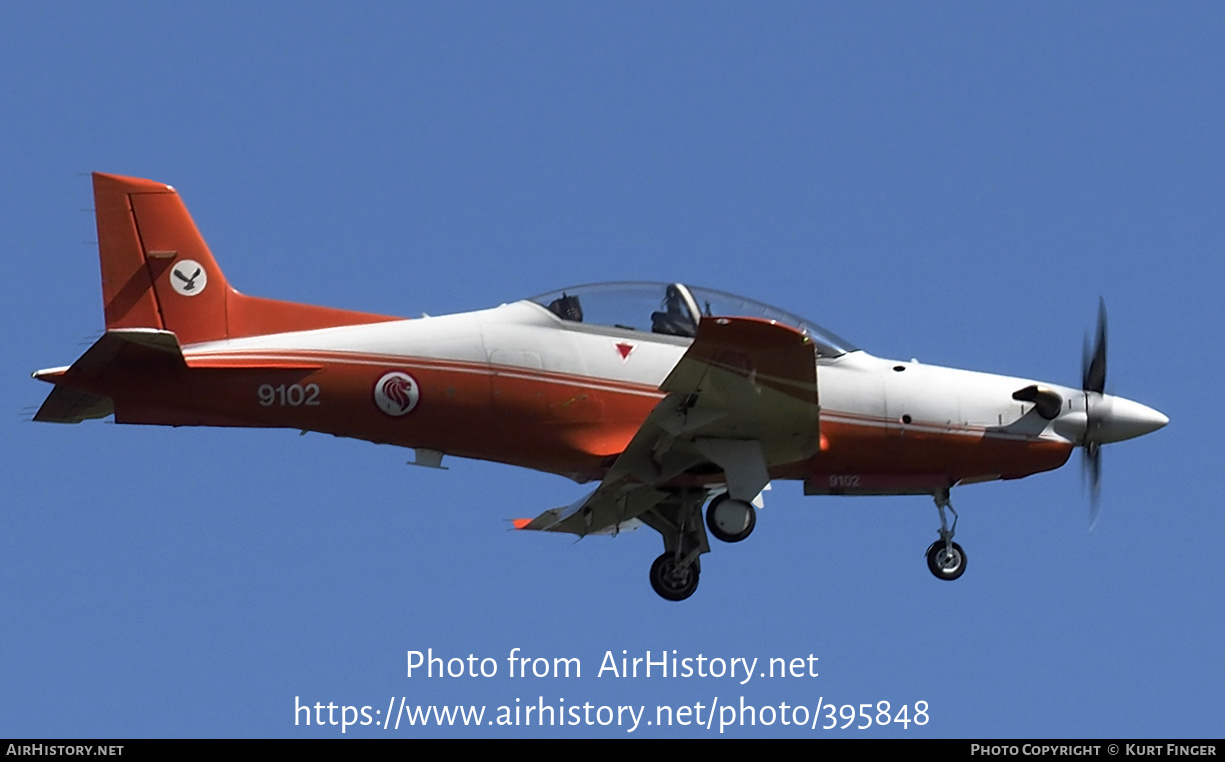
x=743 y=398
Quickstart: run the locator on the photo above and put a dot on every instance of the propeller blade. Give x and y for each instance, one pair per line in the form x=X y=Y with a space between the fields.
x=1093 y=367
x=1093 y=381
x=1091 y=462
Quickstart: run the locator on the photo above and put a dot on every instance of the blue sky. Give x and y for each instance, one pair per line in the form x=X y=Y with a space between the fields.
x=956 y=182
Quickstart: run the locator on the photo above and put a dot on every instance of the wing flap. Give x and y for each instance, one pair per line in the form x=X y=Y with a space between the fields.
x=607 y=509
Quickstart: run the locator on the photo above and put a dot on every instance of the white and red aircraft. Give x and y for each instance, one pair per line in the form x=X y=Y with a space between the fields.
x=667 y=395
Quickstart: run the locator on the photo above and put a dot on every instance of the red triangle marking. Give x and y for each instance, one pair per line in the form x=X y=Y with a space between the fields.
x=624 y=349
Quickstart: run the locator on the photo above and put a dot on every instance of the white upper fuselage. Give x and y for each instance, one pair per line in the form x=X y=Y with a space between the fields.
x=522 y=339
x=586 y=376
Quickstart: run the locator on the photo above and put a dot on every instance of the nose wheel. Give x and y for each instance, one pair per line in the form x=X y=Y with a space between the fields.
x=945 y=558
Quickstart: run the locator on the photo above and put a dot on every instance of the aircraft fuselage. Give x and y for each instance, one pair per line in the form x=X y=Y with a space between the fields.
x=569 y=397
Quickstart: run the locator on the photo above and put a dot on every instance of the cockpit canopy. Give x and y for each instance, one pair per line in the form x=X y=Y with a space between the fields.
x=674 y=309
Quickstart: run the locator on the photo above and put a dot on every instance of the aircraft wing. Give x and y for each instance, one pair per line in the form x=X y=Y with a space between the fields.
x=743 y=397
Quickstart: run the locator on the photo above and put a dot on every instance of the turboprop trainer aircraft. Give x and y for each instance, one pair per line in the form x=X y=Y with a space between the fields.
x=669 y=397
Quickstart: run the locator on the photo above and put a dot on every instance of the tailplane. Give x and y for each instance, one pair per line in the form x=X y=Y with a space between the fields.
x=157 y=272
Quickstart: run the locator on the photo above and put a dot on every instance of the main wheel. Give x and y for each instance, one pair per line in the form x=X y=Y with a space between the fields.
x=945 y=563
x=730 y=520
x=671 y=583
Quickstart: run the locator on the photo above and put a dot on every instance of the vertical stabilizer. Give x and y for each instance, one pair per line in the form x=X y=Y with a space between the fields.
x=127 y=289
x=157 y=272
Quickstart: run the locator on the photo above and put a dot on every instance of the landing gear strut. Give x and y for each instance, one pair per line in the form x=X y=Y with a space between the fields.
x=945 y=558
x=674 y=575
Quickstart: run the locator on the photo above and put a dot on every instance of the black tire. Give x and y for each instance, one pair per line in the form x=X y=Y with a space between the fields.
x=669 y=583
x=725 y=536
x=944 y=566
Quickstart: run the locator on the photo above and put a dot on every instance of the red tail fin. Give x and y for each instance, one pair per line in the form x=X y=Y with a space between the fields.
x=157 y=272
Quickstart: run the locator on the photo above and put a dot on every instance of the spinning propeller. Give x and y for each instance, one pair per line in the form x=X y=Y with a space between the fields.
x=1105 y=419
x=1097 y=410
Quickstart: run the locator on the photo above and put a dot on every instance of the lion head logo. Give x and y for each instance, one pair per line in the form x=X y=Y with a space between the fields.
x=396 y=393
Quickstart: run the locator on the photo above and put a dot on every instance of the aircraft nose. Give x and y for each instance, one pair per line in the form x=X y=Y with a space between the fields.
x=1124 y=419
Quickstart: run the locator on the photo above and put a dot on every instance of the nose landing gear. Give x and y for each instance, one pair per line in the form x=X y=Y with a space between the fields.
x=945 y=558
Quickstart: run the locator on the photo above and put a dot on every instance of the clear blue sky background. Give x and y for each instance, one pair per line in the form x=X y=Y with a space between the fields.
x=956 y=182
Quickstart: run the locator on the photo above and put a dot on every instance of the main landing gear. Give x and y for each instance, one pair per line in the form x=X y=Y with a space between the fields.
x=674 y=575
x=730 y=520
x=672 y=580
x=945 y=558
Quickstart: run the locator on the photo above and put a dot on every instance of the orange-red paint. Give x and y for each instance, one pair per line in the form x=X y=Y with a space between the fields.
x=143 y=228
x=569 y=425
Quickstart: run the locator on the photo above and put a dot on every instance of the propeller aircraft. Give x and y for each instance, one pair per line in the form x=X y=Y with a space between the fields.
x=668 y=397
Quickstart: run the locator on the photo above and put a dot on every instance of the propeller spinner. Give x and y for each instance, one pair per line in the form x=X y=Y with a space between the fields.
x=1107 y=418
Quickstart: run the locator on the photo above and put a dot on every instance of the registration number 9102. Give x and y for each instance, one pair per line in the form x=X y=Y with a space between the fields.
x=288 y=395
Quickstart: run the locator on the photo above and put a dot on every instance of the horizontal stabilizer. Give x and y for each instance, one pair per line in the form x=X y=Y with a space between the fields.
x=147 y=348
x=64 y=405
x=143 y=346
x=139 y=346
x=151 y=347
